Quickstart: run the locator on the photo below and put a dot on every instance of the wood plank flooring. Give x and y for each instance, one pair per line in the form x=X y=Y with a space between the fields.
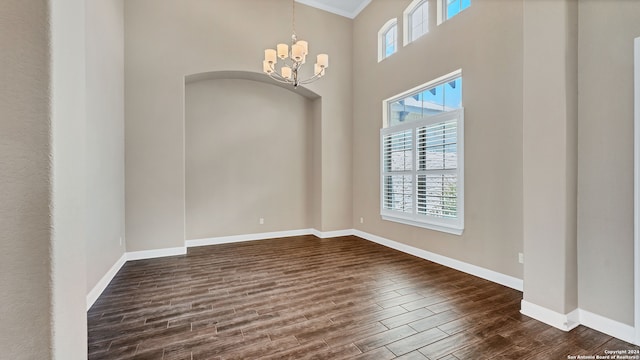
x=310 y=298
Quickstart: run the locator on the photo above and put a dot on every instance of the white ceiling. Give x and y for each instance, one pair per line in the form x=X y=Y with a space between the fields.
x=347 y=8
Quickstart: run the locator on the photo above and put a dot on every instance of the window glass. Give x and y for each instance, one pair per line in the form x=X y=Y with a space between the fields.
x=454 y=7
x=390 y=41
x=419 y=21
x=435 y=100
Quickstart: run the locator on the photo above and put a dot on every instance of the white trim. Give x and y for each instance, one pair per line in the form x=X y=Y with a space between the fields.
x=246 y=237
x=417 y=89
x=157 y=253
x=560 y=321
x=440 y=12
x=577 y=317
x=605 y=325
x=636 y=152
x=97 y=290
x=496 y=277
x=331 y=234
x=423 y=224
x=322 y=6
x=359 y=9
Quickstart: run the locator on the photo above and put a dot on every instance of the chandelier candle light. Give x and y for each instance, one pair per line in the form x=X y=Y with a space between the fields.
x=291 y=60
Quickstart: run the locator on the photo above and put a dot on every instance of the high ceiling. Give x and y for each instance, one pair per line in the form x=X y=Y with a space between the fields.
x=347 y=8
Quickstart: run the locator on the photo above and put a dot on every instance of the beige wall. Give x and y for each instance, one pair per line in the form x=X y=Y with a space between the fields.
x=105 y=136
x=25 y=178
x=167 y=40
x=550 y=153
x=605 y=143
x=485 y=41
x=248 y=155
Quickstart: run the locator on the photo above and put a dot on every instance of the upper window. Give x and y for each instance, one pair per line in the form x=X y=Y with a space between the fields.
x=450 y=8
x=422 y=148
x=416 y=20
x=388 y=39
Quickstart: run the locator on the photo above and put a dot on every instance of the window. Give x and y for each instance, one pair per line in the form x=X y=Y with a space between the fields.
x=450 y=8
x=388 y=39
x=416 y=20
x=422 y=156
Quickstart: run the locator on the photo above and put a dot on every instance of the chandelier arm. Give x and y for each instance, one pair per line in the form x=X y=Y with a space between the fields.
x=310 y=80
x=295 y=80
x=279 y=78
x=275 y=75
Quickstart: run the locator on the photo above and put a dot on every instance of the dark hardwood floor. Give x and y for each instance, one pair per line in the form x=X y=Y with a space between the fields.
x=310 y=298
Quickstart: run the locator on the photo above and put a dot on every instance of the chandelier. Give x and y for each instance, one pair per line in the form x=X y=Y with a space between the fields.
x=283 y=64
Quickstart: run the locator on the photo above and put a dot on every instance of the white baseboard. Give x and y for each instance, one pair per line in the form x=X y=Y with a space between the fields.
x=97 y=290
x=247 y=237
x=605 y=325
x=331 y=234
x=474 y=270
x=265 y=236
x=563 y=322
x=151 y=254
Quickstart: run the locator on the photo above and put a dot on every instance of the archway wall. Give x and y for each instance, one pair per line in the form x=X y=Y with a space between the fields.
x=248 y=158
x=168 y=41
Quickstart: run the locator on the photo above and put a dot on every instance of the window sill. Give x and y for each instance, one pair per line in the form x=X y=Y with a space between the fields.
x=437 y=227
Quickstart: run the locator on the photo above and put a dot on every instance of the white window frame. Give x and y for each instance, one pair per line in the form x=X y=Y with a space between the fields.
x=451 y=226
x=382 y=45
x=407 y=34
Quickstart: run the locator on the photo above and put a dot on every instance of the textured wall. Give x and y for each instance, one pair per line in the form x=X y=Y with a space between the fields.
x=25 y=181
x=550 y=153
x=605 y=143
x=248 y=156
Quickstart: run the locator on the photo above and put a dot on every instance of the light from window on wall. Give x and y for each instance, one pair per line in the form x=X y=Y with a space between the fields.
x=455 y=6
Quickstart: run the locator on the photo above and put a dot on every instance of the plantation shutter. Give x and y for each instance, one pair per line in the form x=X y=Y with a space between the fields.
x=437 y=176
x=422 y=172
x=397 y=169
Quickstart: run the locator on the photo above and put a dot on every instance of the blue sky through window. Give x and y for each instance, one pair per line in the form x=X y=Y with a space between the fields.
x=390 y=41
x=455 y=6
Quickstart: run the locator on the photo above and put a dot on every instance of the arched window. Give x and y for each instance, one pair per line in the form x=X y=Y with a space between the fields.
x=388 y=39
x=416 y=20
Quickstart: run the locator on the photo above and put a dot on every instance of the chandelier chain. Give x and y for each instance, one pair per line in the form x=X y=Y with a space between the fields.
x=293 y=17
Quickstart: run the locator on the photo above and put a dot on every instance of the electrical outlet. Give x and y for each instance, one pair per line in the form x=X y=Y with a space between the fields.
x=120 y=240
x=521 y=258
x=361 y=220
x=261 y=221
